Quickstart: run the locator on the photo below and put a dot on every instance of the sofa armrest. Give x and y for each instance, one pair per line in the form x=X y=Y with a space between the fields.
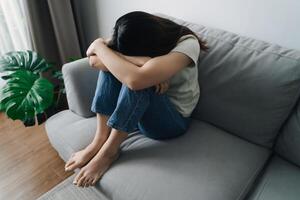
x=80 y=82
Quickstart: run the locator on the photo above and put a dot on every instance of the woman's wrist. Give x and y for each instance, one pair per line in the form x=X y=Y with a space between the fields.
x=99 y=48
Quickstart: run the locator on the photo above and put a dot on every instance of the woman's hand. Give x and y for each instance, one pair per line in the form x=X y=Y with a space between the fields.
x=96 y=44
x=162 y=87
x=95 y=62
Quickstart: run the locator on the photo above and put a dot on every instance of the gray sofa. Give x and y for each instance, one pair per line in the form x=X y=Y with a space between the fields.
x=243 y=142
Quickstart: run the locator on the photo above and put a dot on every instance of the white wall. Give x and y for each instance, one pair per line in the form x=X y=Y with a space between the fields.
x=276 y=21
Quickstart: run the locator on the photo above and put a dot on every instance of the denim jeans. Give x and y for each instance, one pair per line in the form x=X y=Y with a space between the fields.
x=129 y=110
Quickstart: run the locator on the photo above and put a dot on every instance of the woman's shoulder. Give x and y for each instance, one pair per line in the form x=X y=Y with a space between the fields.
x=188 y=45
x=189 y=37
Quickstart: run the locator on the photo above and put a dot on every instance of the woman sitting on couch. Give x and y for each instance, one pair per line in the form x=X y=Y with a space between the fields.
x=148 y=81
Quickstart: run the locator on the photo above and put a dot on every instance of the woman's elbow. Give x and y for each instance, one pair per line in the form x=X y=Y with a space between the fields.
x=135 y=84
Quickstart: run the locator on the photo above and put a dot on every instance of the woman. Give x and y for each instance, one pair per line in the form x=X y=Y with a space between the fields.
x=147 y=81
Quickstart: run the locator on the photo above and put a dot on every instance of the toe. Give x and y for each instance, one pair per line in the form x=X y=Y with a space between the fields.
x=68 y=164
x=94 y=182
x=87 y=182
x=91 y=181
x=78 y=176
x=72 y=166
x=84 y=182
x=81 y=181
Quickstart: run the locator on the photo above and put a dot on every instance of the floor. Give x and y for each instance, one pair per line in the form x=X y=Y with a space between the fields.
x=29 y=166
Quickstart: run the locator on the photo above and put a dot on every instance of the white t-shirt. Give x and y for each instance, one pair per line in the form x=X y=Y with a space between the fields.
x=184 y=90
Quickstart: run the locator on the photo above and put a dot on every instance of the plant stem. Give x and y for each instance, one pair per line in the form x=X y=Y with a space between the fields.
x=36 y=120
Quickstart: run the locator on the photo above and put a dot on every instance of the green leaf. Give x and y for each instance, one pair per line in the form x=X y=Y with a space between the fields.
x=28 y=60
x=25 y=95
x=57 y=74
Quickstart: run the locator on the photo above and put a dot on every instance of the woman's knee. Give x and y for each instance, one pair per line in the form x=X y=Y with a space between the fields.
x=106 y=93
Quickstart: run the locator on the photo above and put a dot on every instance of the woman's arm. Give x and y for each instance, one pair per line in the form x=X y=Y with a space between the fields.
x=95 y=62
x=154 y=71
x=137 y=60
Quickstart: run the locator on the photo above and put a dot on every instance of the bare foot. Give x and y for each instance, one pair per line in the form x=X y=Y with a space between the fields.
x=80 y=158
x=92 y=172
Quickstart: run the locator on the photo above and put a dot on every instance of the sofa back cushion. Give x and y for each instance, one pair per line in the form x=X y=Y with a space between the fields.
x=248 y=87
x=288 y=142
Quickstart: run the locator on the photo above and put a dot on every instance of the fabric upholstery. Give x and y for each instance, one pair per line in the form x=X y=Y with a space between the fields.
x=280 y=181
x=248 y=87
x=80 y=82
x=54 y=126
x=206 y=163
x=288 y=143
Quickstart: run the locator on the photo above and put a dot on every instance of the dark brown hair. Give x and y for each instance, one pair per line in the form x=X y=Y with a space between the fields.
x=142 y=34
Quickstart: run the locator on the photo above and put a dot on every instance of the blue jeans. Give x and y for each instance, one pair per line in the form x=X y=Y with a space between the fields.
x=129 y=110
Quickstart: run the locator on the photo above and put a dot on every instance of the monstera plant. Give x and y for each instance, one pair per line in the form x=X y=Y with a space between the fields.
x=26 y=92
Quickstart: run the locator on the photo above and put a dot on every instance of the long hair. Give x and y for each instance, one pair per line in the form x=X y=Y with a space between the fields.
x=142 y=34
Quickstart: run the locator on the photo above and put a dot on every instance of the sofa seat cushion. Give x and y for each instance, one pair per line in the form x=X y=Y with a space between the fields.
x=281 y=180
x=205 y=163
x=68 y=132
